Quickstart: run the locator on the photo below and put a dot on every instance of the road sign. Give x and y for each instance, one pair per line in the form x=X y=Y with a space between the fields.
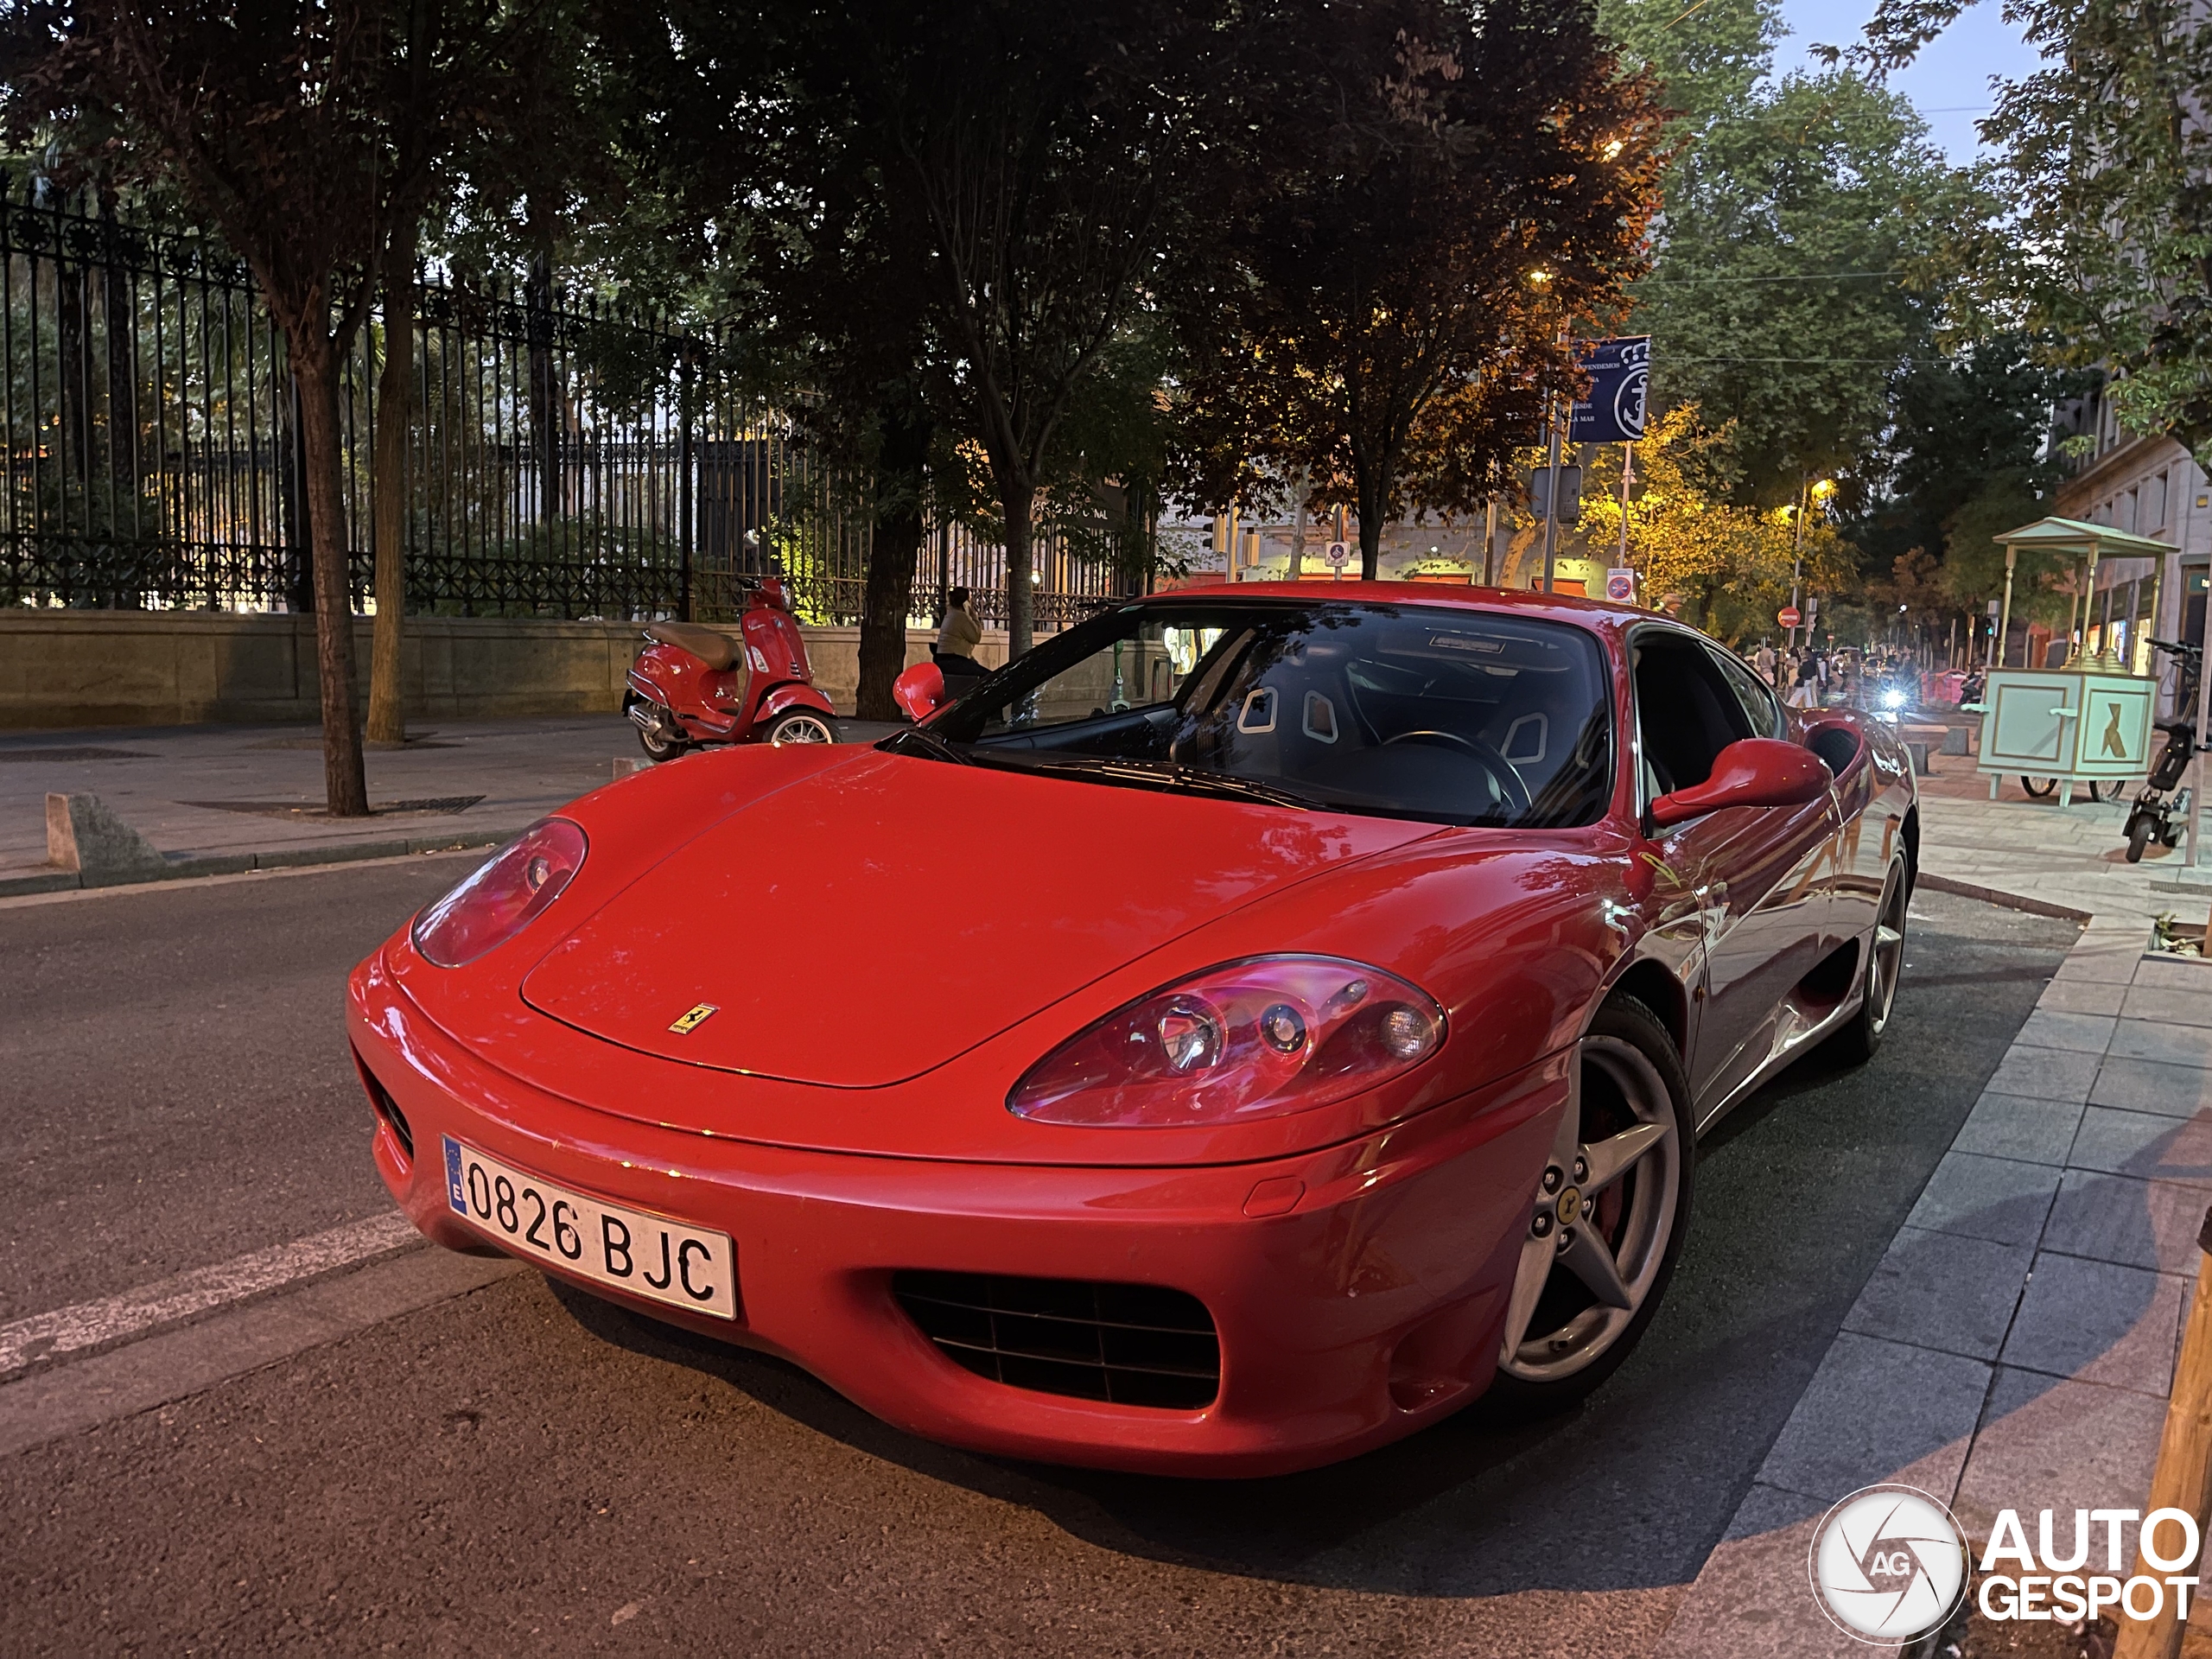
x=1620 y=585
x=1339 y=555
x=1620 y=376
x=1788 y=616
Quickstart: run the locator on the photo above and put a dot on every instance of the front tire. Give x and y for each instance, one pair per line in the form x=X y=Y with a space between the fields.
x=1884 y=965
x=2140 y=830
x=2038 y=788
x=1609 y=1213
x=800 y=726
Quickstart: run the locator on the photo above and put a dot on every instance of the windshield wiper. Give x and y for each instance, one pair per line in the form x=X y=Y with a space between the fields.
x=1152 y=774
x=912 y=738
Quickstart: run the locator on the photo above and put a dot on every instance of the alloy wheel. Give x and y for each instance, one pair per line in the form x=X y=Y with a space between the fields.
x=1885 y=958
x=801 y=728
x=1605 y=1211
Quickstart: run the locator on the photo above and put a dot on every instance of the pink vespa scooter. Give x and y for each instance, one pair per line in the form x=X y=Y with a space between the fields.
x=694 y=685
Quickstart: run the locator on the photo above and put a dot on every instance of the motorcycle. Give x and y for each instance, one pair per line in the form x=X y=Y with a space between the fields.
x=2163 y=807
x=693 y=685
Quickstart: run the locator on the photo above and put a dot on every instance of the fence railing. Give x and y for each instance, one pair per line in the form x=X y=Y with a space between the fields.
x=565 y=458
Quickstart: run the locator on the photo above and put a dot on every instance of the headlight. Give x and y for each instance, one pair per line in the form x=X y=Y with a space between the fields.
x=1263 y=1038
x=1892 y=699
x=504 y=896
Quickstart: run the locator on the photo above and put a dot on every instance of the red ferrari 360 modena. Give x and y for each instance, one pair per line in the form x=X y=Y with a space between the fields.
x=1243 y=1031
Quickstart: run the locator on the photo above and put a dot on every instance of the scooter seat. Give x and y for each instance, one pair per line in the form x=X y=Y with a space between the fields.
x=711 y=646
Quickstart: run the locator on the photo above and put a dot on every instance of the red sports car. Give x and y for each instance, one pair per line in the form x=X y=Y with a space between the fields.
x=1243 y=1031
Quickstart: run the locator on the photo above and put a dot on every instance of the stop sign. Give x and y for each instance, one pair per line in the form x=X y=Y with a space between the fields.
x=1790 y=616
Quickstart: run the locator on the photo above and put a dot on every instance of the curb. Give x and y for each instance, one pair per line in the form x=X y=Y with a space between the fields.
x=179 y=869
x=1936 y=883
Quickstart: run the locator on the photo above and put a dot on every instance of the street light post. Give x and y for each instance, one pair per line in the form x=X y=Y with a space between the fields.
x=1808 y=491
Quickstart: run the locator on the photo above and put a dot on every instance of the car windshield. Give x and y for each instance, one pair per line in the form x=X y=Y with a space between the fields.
x=1437 y=713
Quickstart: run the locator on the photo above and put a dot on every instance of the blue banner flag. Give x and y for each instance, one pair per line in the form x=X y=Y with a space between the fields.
x=1620 y=376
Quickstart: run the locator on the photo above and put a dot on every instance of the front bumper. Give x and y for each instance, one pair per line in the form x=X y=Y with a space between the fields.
x=1368 y=1306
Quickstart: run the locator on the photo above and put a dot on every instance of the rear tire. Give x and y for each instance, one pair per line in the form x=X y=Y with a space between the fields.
x=800 y=726
x=658 y=742
x=1619 y=1179
x=1884 y=964
x=2038 y=788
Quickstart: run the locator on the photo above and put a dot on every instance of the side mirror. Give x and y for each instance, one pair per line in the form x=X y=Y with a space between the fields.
x=919 y=691
x=1752 y=772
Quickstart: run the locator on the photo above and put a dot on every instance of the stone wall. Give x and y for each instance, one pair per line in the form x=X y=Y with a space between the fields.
x=174 y=668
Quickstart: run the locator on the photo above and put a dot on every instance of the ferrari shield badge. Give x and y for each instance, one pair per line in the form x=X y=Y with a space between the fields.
x=691 y=1019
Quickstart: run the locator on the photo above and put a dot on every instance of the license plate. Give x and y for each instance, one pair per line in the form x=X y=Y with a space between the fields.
x=647 y=1255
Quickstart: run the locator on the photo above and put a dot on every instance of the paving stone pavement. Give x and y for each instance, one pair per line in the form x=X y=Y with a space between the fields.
x=2015 y=1347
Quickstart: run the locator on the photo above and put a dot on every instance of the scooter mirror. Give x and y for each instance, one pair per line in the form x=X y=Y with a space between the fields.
x=919 y=690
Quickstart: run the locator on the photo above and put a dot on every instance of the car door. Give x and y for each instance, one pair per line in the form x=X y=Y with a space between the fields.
x=1754 y=871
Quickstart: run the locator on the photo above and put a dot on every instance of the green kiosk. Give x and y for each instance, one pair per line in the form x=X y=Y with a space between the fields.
x=2089 y=721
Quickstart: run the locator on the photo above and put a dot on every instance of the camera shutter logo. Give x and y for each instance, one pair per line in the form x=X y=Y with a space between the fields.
x=1888 y=1564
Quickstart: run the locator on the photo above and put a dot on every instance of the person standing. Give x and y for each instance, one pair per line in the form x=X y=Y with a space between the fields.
x=1763 y=660
x=1804 y=692
x=957 y=636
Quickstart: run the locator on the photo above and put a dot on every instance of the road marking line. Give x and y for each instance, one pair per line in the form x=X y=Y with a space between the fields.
x=166 y=1301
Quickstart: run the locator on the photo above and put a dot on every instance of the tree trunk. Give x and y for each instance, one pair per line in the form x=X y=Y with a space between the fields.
x=1371 y=496
x=394 y=407
x=1018 y=499
x=314 y=365
x=889 y=594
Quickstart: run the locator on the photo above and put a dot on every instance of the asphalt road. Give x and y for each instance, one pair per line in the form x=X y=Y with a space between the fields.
x=521 y=1469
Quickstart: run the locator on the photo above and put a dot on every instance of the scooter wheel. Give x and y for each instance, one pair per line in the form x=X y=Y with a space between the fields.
x=2140 y=829
x=658 y=744
x=801 y=726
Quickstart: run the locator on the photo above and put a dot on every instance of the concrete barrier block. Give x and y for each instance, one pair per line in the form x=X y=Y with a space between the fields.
x=83 y=834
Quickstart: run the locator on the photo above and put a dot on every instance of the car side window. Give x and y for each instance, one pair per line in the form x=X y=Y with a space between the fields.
x=1759 y=706
x=1685 y=710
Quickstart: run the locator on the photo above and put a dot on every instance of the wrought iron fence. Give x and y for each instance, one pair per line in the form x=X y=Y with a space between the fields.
x=565 y=458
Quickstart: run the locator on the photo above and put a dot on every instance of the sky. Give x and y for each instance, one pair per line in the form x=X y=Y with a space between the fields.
x=1949 y=81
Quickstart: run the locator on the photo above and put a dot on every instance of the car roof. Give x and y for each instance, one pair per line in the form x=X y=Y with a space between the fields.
x=1524 y=601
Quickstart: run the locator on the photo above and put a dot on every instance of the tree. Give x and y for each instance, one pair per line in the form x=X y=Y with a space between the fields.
x=1805 y=250
x=2107 y=155
x=1047 y=146
x=1968 y=441
x=763 y=136
x=1414 y=202
x=1687 y=535
x=275 y=121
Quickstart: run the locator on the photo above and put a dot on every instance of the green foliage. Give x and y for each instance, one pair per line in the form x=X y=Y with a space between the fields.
x=1965 y=450
x=1415 y=202
x=1797 y=271
x=2109 y=159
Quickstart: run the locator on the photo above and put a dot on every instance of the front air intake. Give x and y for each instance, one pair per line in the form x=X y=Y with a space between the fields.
x=1128 y=1344
x=385 y=1107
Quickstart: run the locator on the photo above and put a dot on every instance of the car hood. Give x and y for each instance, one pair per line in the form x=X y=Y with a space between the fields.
x=870 y=922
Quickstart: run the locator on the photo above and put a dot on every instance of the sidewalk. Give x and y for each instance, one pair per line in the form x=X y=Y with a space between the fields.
x=2074 y=857
x=211 y=798
x=2016 y=1345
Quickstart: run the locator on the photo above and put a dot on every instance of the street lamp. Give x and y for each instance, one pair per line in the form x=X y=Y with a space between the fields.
x=1819 y=490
